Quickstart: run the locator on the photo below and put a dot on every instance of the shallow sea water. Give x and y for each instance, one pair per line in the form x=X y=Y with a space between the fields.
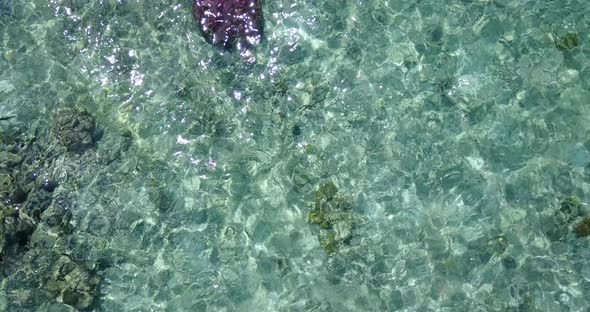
x=455 y=128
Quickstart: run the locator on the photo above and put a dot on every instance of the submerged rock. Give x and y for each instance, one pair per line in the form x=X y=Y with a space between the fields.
x=229 y=23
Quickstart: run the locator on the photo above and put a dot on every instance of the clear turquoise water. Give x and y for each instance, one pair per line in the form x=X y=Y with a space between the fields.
x=456 y=129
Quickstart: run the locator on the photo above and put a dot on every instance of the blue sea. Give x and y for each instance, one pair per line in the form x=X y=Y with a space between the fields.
x=381 y=155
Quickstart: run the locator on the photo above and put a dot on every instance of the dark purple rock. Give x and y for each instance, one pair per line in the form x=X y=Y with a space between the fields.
x=229 y=23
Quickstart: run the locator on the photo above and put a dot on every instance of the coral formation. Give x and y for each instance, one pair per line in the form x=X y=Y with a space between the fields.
x=24 y=192
x=496 y=246
x=5 y=8
x=113 y=145
x=162 y=196
x=583 y=227
x=229 y=23
x=75 y=130
x=567 y=42
x=35 y=213
x=15 y=230
x=72 y=283
x=570 y=210
x=332 y=212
